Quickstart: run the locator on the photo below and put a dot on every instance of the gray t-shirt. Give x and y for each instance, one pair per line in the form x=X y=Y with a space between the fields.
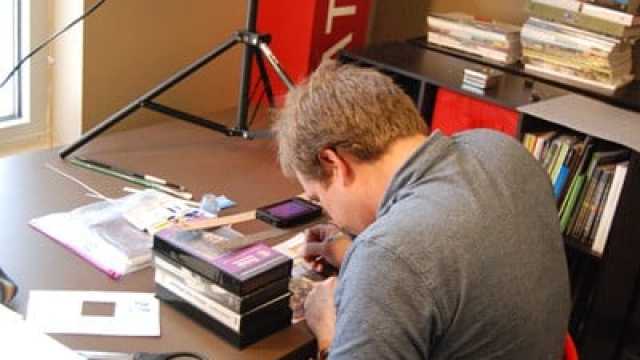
x=464 y=261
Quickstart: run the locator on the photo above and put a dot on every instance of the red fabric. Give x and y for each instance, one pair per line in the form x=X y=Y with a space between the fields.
x=304 y=31
x=570 y=351
x=455 y=112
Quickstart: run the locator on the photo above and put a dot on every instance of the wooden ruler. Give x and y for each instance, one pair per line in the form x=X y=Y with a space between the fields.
x=218 y=221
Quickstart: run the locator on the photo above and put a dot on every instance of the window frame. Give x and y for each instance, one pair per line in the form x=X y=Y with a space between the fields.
x=30 y=128
x=14 y=81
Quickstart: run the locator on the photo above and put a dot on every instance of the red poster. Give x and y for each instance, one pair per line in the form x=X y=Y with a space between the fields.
x=306 y=31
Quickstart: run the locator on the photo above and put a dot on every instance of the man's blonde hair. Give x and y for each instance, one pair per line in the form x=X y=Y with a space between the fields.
x=345 y=106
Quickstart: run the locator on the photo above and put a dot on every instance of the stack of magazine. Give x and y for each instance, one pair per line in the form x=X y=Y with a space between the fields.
x=587 y=44
x=488 y=39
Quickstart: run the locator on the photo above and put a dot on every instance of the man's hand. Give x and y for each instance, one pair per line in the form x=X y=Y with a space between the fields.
x=325 y=244
x=320 y=312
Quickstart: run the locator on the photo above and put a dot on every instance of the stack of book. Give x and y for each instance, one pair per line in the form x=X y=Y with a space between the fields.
x=586 y=44
x=492 y=40
x=241 y=295
x=587 y=179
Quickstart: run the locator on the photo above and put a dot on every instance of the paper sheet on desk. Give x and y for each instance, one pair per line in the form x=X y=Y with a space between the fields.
x=94 y=312
x=21 y=340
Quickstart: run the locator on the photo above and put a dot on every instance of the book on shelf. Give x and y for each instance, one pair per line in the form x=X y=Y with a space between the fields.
x=463 y=32
x=564 y=143
x=628 y=6
x=557 y=73
x=609 y=207
x=529 y=142
x=585 y=20
x=614 y=16
x=601 y=67
x=626 y=25
x=583 y=58
x=575 y=226
x=561 y=179
x=548 y=157
x=572 y=5
x=578 y=226
x=576 y=184
x=563 y=185
x=485 y=27
x=541 y=143
x=476 y=48
x=574 y=45
x=600 y=207
x=602 y=188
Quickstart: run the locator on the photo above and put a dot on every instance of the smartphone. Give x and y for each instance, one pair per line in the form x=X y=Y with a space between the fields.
x=290 y=212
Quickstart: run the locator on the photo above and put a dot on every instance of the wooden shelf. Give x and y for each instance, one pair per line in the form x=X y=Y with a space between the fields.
x=627 y=97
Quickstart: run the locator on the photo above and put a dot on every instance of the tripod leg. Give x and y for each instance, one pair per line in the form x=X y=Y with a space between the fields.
x=150 y=95
x=264 y=78
x=266 y=51
x=243 y=95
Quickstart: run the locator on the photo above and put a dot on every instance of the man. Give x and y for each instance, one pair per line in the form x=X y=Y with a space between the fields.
x=457 y=252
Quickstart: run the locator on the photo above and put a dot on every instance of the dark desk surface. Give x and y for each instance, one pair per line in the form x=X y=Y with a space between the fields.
x=203 y=160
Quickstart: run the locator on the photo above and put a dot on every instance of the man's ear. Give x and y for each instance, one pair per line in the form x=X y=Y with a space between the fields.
x=336 y=164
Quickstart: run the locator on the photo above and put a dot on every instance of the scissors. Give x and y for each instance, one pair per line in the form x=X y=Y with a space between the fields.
x=102 y=355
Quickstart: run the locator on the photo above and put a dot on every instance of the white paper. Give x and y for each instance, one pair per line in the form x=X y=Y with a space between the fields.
x=72 y=312
x=20 y=340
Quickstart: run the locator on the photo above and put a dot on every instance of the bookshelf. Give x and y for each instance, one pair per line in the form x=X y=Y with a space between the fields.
x=605 y=319
x=604 y=286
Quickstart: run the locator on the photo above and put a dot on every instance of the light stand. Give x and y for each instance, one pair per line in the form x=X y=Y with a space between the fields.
x=256 y=47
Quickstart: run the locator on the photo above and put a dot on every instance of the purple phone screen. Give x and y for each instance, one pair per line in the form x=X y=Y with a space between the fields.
x=288 y=209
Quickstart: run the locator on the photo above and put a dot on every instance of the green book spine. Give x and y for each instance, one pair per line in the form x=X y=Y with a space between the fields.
x=572 y=198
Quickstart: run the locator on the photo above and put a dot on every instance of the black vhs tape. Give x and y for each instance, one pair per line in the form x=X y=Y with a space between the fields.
x=250 y=327
x=169 y=271
x=240 y=271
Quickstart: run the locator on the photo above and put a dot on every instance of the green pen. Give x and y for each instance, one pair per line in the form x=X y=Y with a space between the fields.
x=91 y=165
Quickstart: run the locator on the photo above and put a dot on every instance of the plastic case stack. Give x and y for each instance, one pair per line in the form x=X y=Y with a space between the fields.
x=241 y=295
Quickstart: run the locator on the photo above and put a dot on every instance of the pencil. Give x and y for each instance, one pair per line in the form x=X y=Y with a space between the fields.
x=147 y=177
x=130 y=178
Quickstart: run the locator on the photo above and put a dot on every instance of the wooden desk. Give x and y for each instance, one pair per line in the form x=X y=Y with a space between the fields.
x=204 y=161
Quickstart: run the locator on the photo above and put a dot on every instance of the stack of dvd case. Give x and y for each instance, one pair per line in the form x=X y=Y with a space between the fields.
x=241 y=295
x=483 y=78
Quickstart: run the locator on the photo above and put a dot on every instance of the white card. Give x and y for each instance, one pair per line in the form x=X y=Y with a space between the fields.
x=94 y=312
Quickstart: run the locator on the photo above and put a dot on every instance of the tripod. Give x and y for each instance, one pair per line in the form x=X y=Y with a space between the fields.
x=255 y=47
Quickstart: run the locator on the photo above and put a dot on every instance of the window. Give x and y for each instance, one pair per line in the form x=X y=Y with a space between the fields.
x=23 y=101
x=9 y=55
